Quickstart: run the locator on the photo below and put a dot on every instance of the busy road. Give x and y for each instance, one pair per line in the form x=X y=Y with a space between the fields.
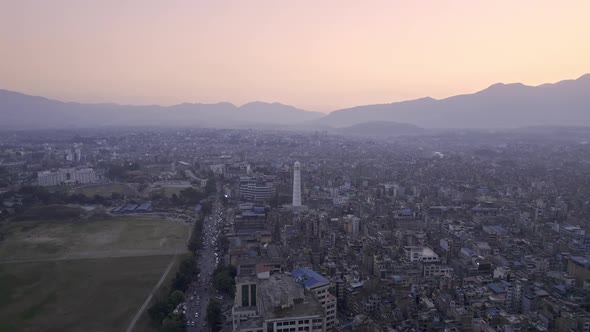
x=198 y=295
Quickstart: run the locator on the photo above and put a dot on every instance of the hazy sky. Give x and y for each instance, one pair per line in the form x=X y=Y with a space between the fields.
x=317 y=55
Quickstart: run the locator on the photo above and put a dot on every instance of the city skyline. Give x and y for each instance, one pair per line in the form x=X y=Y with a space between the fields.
x=318 y=57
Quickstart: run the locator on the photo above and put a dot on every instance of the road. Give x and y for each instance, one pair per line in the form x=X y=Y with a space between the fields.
x=200 y=290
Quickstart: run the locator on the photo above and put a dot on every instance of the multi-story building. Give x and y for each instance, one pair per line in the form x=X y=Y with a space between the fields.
x=67 y=176
x=579 y=268
x=318 y=285
x=256 y=189
x=416 y=254
x=276 y=303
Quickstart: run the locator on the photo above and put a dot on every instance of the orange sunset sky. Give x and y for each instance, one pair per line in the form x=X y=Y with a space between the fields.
x=316 y=55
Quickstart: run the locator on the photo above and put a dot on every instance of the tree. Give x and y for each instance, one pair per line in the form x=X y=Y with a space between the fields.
x=223 y=243
x=116 y=196
x=196 y=240
x=159 y=310
x=224 y=280
x=175 y=298
x=206 y=208
x=214 y=315
x=98 y=199
x=175 y=199
x=181 y=282
x=174 y=323
x=190 y=195
x=187 y=267
x=211 y=186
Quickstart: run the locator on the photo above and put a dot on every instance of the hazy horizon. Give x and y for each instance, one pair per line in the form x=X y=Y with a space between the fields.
x=317 y=57
x=279 y=102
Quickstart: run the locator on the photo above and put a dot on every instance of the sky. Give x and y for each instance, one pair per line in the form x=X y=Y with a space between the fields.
x=318 y=55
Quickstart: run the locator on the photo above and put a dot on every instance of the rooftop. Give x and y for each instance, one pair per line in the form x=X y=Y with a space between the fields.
x=581 y=260
x=281 y=296
x=309 y=278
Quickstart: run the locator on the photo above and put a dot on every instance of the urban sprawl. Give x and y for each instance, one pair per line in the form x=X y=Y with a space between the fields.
x=308 y=231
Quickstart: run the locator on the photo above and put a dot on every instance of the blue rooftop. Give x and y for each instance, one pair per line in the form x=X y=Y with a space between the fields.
x=144 y=207
x=258 y=209
x=493 y=312
x=496 y=288
x=581 y=260
x=309 y=278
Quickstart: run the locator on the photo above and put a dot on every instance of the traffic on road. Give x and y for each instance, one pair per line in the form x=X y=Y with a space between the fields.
x=198 y=295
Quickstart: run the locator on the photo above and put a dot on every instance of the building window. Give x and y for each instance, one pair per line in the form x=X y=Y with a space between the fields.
x=253 y=295
x=245 y=301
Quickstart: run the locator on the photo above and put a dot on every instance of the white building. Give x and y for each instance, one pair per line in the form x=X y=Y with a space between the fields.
x=420 y=254
x=49 y=178
x=296 y=184
x=66 y=176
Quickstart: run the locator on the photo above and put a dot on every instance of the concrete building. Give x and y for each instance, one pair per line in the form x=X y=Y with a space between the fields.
x=579 y=268
x=318 y=285
x=420 y=254
x=276 y=303
x=256 y=191
x=66 y=176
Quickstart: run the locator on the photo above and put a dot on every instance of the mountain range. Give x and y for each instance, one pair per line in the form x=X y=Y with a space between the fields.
x=565 y=103
x=22 y=111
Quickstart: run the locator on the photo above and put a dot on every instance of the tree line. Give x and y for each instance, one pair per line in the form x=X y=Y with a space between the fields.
x=161 y=313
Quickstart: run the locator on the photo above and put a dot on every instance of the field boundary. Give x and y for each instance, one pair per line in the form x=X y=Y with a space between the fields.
x=149 y=298
x=145 y=254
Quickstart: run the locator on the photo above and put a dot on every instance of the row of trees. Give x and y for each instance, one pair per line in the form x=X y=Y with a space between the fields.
x=195 y=243
x=224 y=280
x=162 y=312
x=214 y=315
x=41 y=196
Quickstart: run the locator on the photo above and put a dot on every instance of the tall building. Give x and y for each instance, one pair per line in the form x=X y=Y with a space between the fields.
x=257 y=188
x=275 y=303
x=318 y=286
x=297 y=184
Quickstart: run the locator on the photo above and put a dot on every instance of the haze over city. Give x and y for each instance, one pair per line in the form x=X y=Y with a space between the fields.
x=314 y=55
x=286 y=166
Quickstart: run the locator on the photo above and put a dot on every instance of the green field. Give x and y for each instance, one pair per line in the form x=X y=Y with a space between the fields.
x=83 y=275
x=76 y=295
x=106 y=190
x=121 y=236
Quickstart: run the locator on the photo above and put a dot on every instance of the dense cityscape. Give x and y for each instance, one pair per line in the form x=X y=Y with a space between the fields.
x=312 y=231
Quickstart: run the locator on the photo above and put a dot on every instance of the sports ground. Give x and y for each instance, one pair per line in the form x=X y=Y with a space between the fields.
x=82 y=275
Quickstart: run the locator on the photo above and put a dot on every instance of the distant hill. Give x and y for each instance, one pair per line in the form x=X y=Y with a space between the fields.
x=566 y=103
x=382 y=129
x=22 y=111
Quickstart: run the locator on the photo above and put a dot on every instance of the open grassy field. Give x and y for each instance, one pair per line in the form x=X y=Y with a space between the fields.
x=115 y=237
x=106 y=190
x=76 y=295
x=83 y=275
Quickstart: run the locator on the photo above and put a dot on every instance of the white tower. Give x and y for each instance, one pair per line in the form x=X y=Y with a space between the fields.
x=297 y=184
